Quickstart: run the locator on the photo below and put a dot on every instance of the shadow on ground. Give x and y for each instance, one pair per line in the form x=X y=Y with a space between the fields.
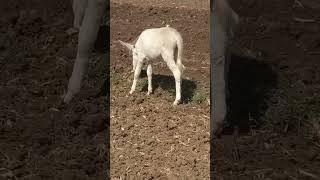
x=102 y=46
x=103 y=40
x=250 y=83
x=167 y=83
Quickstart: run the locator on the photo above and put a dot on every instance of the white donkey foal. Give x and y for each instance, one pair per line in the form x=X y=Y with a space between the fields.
x=151 y=44
x=223 y=22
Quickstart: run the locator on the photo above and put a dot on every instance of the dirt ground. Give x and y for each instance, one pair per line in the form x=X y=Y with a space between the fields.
x=39 y=138
x=276 y=105
x=275 y=102
x=149 y=138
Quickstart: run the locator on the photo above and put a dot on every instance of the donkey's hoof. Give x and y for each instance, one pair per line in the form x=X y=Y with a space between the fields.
x=217 y=130
x=67 y=98
x=176 y=102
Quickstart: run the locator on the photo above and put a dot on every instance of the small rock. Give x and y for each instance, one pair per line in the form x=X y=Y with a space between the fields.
x=171 y=125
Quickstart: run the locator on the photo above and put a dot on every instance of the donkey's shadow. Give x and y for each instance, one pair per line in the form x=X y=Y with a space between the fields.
x=250 y=83
x=167 y=83
x=103 y=40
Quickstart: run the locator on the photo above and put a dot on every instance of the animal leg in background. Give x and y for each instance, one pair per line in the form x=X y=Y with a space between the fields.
x=223 y=22
x=86 y=39
x=79 y=9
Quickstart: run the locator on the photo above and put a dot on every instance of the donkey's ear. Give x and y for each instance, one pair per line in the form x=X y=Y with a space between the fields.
x=129 y=46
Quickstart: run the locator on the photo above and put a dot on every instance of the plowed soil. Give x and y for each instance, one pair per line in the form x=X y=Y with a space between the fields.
x=39 y=138
x=275 y=100
x=274 y=81
x=151 y=139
